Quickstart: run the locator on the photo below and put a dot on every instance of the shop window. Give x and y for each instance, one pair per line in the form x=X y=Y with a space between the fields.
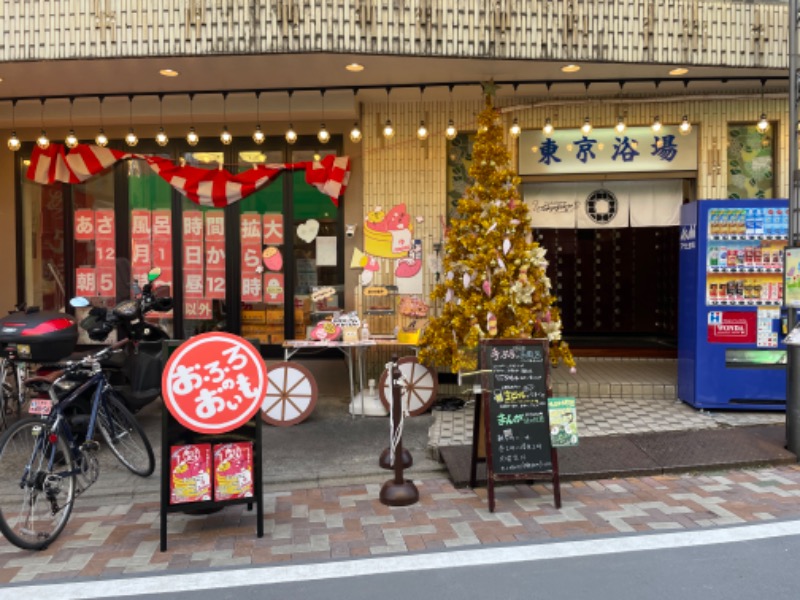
x=317 y=230
x=43 y=244
x=203 y=253
x=97 y=272
x=151 y=236
x=263 y=250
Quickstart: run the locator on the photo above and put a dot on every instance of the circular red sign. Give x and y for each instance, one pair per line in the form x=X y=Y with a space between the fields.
x=214 y=382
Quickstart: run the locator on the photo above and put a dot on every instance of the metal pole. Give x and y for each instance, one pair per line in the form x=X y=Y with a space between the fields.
x=792 y=351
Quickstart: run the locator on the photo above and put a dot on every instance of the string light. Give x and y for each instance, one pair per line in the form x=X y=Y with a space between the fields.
x=13 y=142
x=100 y=139
x=656 y=126
x=762 y=124
x=42 y=140
x=388 y=129
x=71 y=140
x=451 y=132
x=161 y=137
x=291 y=135
x=422 y=130
x=192 y=138
x=685 y=127
x=131 y=138
x=258 y=135
x=225 y=137
x=322 y=135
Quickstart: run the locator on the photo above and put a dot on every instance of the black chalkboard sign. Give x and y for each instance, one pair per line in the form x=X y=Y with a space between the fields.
x=515 y=388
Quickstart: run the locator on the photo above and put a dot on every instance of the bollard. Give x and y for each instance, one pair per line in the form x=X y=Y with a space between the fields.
x=397 y=491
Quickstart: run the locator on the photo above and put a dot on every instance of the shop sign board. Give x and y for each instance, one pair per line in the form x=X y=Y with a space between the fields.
x=732 y=327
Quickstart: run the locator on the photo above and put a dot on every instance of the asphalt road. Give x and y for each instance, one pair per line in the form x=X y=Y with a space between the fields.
x=751 y=561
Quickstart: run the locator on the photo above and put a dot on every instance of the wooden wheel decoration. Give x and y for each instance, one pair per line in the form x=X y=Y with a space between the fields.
x=291 y=394
x=421 y=385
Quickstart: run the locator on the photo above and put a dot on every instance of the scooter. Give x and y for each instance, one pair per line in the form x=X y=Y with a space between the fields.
x=135 y=373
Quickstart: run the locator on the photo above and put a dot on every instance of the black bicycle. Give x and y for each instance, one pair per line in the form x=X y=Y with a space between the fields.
x=48 y=460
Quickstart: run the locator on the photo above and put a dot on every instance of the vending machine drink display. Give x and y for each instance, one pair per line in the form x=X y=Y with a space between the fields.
x=730 y=354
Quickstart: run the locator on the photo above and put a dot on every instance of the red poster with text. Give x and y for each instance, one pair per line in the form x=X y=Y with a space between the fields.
x=273 y=288
x=104 y=224
x=198 y=310
x=215 y=285
x=233 y=471
x=107 y=283
x=105 y=254
x=140 y=224
x=252 y=290
x=193 y=258
x=190 y=469
x=215 y=225
x=214 y=382
x=85 y=281
x=193 y=284
x=251 y=229
x=251 y=258
x=84 y=225
x=162 y=253
x=215 y=256
x=162 y=224
x=732 y=327
x=192 y=226
x=273 y=229
x=141 y=256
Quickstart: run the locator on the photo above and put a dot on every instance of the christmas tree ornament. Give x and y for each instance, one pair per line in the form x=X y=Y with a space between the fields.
x=506 y=245
x=487 y=288
x=466 y=279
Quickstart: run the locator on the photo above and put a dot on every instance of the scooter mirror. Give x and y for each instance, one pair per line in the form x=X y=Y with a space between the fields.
x=79 y=302
x=154 y=274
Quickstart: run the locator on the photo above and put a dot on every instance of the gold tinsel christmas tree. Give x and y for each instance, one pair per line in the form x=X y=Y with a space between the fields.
x=495 y=282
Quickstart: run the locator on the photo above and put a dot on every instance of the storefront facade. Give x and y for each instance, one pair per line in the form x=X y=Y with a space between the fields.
x=612 y=278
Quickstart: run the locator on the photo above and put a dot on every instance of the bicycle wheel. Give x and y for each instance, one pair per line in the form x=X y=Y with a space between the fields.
x=125 y=437
x=37 y=485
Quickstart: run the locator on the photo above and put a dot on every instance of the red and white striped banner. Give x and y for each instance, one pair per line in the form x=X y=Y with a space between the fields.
x=206 y=187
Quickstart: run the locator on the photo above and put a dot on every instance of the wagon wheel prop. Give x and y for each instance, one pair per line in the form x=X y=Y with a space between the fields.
x=291 y=394
x=420 y=382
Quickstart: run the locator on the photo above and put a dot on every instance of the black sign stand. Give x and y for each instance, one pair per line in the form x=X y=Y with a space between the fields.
x=174 y=433
x=512 y=417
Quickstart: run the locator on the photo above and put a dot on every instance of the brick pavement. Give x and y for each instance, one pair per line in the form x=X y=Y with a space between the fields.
x=335 y=522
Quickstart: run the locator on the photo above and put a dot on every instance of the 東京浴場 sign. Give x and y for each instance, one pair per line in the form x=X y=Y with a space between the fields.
x=636 y=150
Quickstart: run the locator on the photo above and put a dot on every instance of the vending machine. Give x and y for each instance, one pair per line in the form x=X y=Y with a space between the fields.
x=730 y=330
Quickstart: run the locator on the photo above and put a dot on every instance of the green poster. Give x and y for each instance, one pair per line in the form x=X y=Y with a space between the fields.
x=563 y=422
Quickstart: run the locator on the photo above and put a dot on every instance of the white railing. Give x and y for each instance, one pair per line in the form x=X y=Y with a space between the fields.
x=693 y=32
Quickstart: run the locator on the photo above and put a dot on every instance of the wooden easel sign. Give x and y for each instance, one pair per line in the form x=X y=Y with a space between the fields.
x=513 y=409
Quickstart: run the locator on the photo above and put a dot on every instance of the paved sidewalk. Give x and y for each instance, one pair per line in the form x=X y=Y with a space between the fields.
x=321 y=523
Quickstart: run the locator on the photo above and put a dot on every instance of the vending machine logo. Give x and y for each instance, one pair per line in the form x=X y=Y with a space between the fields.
x=732 y=327
x=688 y=237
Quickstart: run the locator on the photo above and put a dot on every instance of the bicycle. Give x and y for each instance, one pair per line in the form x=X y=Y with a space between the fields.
x=44 y=465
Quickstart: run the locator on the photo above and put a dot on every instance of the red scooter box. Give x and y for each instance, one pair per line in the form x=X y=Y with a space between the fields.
x=40 y=336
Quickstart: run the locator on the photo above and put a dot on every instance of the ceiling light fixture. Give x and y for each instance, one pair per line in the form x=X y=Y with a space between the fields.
x=71 y=140
x=100 y=139
x=762 y=124
x=322 y=135
x=291 y=135
x=571 y=68
x=131 y=138
x=422 y=130
x=685 y=127
x=355 y=133
x=42 y=140
x=13 y=142
x=225 y=137
x=388 y=129
x=192 y=138
x=515 y=129
x=451 y=132
x=620 y=127
x=548 y=128
x=258 y=135
x=161 y=137
x=355 y=67
x=586 y=128
x=656 y=126
x=169 y=72
x=679 y=71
